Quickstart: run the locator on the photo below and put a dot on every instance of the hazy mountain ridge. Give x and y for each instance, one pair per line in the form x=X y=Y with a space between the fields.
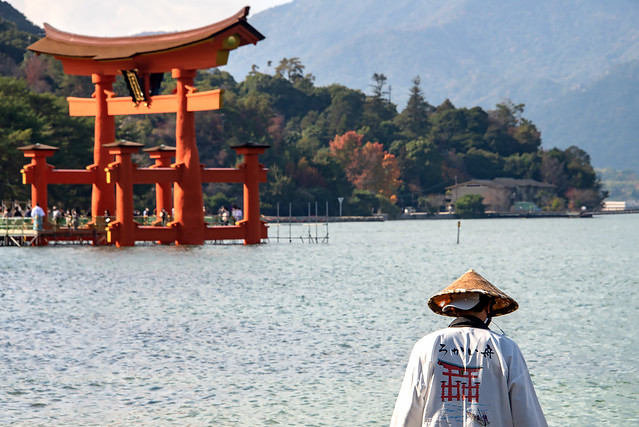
x=574 y=65
x=474 y=53
x=604 y=111
x=9 y=13
x=512 y=41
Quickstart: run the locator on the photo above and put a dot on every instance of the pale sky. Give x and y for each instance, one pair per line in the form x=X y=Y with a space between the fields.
x=110 y=18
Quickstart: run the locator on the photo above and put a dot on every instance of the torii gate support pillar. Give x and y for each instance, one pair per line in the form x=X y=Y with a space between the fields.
x=255 y=228
x=37 y=173
x=163 y=194
x=121 y=172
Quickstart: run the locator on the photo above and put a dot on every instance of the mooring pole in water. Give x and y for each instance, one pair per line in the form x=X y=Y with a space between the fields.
x=326 y=222
x=310 y=235
x=458 y=227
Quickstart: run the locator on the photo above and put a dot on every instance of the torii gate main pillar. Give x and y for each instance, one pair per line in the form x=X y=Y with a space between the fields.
x=188 y=202
x=102 y=196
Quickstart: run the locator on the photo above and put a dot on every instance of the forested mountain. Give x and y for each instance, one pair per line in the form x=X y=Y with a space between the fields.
x=326 y=141
x=542 y=54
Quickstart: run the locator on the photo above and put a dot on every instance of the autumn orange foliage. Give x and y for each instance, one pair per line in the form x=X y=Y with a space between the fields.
x=368 y=166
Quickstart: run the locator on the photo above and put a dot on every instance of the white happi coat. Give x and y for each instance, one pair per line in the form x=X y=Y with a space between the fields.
x=467 y=376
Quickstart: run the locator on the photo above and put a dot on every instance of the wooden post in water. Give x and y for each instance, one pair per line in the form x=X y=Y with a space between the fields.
x=458 y=227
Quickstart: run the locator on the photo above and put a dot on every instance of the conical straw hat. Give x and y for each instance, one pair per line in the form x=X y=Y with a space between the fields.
x=471 y=281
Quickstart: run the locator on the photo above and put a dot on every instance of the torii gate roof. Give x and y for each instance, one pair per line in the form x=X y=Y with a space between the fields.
x=192 y=49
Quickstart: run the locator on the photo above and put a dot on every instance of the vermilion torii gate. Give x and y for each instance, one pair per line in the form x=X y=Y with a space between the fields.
x=143 y=60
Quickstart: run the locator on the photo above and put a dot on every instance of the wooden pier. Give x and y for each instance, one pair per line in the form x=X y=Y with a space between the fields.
x=21 y=233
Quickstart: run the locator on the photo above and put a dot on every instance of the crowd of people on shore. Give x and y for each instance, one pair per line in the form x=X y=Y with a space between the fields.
x=69 y=218
x=72 y=218
x=230 y=217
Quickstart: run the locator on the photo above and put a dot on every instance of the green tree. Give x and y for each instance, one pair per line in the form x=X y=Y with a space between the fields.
x=421 y=167
x=581 y=174
x=528 y=136
x=377 y=118
x=508 y=114
x=387 y=206
x=285 y=98
x=483 y=164
x=361 y=203
x=344 y=112
x=521 y=166
x=510 y=133
x=215 y=79
x=469 y=206
x=379 y=81
x=458 y=129
x=13 y=45
x=337 y=183
x=28 y=118
x=413 y=120
x=280 y=188
x=553 y=169
x=501 y=142
x=290 y=69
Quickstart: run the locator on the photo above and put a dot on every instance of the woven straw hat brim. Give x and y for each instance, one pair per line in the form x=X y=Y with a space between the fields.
x=471 y=281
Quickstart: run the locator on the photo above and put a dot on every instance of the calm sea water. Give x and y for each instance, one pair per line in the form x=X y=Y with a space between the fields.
x=310 y=334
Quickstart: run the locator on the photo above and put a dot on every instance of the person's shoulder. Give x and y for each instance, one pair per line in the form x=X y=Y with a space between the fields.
x=428 y=340
x=505 y=343
x=502 y=338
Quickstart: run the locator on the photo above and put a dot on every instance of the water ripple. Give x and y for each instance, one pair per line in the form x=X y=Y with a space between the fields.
x=309 y=334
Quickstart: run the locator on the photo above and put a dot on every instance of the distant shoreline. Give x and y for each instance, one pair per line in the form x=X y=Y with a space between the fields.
x=444 y=216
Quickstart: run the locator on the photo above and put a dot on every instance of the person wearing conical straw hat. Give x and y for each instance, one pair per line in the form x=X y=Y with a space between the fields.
x=466 y=374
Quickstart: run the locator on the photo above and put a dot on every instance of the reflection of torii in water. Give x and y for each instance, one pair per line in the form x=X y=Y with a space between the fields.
x=459 y=390
x=142 y=60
